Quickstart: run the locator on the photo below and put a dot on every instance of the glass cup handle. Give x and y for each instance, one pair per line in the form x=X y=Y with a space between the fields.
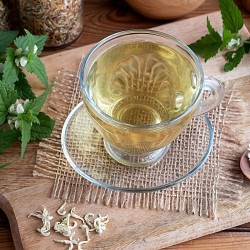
x=216 y=89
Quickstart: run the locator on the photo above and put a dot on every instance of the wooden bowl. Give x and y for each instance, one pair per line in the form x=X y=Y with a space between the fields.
x=164 y=9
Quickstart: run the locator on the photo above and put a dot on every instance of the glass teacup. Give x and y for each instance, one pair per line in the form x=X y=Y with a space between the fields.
x=141 y=88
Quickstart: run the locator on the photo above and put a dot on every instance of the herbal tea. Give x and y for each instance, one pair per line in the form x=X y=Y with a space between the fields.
x=142 y=83
x=141 y=88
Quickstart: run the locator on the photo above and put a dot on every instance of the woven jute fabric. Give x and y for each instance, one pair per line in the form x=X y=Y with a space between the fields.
x=196 y=195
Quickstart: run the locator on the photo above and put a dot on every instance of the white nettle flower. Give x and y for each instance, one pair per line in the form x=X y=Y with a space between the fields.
x=17 y=124
x=11 y=124
x=23 y=61
x=21 y=55
x=19 y=108
x=233 y=42
x=12 y=108
x=15 y=109
x=12 y=121
x=34 y=49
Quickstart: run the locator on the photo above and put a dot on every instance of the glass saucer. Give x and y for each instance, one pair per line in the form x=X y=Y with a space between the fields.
x=83 y=148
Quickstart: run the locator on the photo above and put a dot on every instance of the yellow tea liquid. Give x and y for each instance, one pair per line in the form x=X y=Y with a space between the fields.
x=141 y=83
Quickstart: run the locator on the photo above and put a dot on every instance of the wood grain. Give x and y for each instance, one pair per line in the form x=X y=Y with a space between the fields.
x=101 y=19
x=6 y=239
x=222 y=241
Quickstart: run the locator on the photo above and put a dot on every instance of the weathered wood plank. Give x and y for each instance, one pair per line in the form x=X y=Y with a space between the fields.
x=101 y=19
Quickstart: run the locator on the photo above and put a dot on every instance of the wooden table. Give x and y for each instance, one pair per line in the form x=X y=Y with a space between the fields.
x=103 y=17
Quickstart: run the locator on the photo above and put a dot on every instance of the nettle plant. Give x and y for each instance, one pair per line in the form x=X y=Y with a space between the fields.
x=228 y=38
x=20 y=109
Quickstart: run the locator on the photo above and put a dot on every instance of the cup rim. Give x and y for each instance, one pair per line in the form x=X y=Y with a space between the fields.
x=107 y=118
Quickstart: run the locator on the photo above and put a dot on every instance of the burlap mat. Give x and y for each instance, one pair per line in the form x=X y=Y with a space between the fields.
x=196 y=195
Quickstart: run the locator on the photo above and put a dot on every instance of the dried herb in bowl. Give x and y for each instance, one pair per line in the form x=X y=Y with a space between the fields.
x=4 y=15
x=62 y=20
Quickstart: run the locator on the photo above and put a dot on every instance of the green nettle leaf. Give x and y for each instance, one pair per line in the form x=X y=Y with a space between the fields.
x=231 y=16
x=10 y=70
x=36 y=105
x=23 y=88
x=31 y=40
x=33 y=124
x=34 y=120
x=227 y=37
x=36 y=66
x=43 y=130
x=6 y=38
x=230 y=55
x=25 y=42
x=234 y=58
x=40 y=42
x=216 y=36
x=28 y=117
x=2 y=60
x=25 y=138
x=21 y=42
x=8 y=96
x=207 y=46
x=7 y=137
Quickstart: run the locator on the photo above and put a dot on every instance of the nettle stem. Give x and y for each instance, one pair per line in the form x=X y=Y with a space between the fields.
x=246 y=41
